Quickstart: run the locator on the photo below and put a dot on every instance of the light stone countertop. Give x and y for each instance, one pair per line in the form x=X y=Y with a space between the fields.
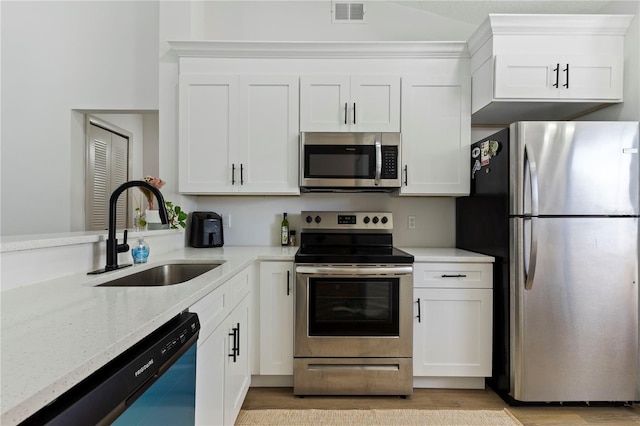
x=55 y=333
x=424 y=254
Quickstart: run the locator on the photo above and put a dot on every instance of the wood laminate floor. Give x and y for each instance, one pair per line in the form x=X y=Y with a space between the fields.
x=447 y=399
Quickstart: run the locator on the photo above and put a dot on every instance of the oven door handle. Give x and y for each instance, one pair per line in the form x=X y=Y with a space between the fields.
x=356 y=270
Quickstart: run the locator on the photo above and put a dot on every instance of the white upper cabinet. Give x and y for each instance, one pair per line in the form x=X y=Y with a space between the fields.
x=546 y=67
x=436 y=132
x=238 y=134
x=558 y=77
x=343 y=103
x=268 y=134
x=208 y=124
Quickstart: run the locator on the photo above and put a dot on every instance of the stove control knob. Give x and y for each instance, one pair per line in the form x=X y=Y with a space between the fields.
x=366 y=219
x=375 y=219
x=384 y=219
x=318 y=219
x=309 y=219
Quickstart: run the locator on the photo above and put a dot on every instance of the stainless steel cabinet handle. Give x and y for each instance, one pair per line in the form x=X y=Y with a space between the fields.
x=419 y=316
x=453 y=276
x=557 y=71
x=233 y=174
x=566 y=76
x=354 y=113
x=345 y=113
x=406 y=175
x=241 y=174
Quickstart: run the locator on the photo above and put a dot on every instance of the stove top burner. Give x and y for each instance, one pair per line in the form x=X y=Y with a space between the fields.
x=349 y=238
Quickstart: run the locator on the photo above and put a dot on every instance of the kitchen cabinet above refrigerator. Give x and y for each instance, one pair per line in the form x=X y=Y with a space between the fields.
x=546 y=67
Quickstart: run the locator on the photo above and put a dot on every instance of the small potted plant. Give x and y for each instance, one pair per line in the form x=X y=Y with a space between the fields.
x=176 y=216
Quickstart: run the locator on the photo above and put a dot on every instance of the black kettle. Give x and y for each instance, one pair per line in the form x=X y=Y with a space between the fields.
x=206 y=230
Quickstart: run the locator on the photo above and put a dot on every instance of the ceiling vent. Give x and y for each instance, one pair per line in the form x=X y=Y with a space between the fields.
x=348 y=12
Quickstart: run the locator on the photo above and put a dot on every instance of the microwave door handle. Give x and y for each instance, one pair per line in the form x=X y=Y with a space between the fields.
x=378 y=162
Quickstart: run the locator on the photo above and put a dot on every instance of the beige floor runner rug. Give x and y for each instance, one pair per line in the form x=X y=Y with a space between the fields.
x=377 y=417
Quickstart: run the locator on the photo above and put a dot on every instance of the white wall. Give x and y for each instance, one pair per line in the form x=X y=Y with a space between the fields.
x=629 y=110
x=57 y=57
x=256 y=220
x=312 y=21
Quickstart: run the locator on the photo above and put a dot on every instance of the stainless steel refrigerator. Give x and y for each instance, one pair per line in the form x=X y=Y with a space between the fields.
x=557 y=204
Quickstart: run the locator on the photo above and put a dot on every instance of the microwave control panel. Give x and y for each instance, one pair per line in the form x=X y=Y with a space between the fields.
x=389 y=162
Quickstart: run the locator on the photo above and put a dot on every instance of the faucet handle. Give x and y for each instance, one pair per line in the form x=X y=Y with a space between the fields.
x=124 y=247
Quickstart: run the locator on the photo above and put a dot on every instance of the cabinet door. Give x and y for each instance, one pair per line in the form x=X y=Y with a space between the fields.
x=593 y=77
x=207 y=130
x=527 y=77
x=237 y=376
x=436 y=134
x=558 y=77
x=276 y=318
x=452 y=333
x=210 y=365
x=375 y=104
x=268 y=134
x=324 y=103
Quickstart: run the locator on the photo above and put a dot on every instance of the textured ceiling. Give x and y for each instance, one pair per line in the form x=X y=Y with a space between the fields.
x=475 y=12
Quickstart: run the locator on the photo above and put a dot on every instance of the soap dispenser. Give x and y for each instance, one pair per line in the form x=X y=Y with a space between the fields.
x=140 y=251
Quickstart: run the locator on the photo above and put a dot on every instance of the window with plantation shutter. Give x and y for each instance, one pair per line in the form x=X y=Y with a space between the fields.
x=107 y=168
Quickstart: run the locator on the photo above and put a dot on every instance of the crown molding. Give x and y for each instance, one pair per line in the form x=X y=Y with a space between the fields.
x=323 y=50
x=548 y=24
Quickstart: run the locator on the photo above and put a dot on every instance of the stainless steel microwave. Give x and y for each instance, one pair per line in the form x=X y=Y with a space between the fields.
x=349 y=161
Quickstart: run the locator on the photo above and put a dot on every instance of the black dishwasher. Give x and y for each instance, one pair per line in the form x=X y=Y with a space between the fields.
x=151 y=383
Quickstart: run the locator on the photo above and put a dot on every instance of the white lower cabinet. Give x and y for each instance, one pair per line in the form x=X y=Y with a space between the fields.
x=237 y=376
x=453 y=310
x=277 y=282
x=210 y=366
x=223 y=358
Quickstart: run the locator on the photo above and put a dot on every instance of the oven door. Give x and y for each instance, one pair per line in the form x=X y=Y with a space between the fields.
x=353 y=311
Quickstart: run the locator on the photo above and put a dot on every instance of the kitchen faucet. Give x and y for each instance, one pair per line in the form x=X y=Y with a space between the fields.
x=113 y=248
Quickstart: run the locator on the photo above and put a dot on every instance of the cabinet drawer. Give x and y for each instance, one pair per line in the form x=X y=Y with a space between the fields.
x=453 y=275
x=211 y=310
x=237 y=287
x=215 y=306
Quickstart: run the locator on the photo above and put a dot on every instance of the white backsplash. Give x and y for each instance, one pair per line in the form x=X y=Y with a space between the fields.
x=255 y=220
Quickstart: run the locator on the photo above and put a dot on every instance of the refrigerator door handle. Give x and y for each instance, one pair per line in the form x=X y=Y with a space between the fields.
x=530 y=237
x=532 y=191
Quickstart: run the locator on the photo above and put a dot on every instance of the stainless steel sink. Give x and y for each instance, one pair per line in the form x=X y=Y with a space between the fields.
x=167 y=274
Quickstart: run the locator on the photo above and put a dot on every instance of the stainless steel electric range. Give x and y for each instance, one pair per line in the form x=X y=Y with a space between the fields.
x=353 y=320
